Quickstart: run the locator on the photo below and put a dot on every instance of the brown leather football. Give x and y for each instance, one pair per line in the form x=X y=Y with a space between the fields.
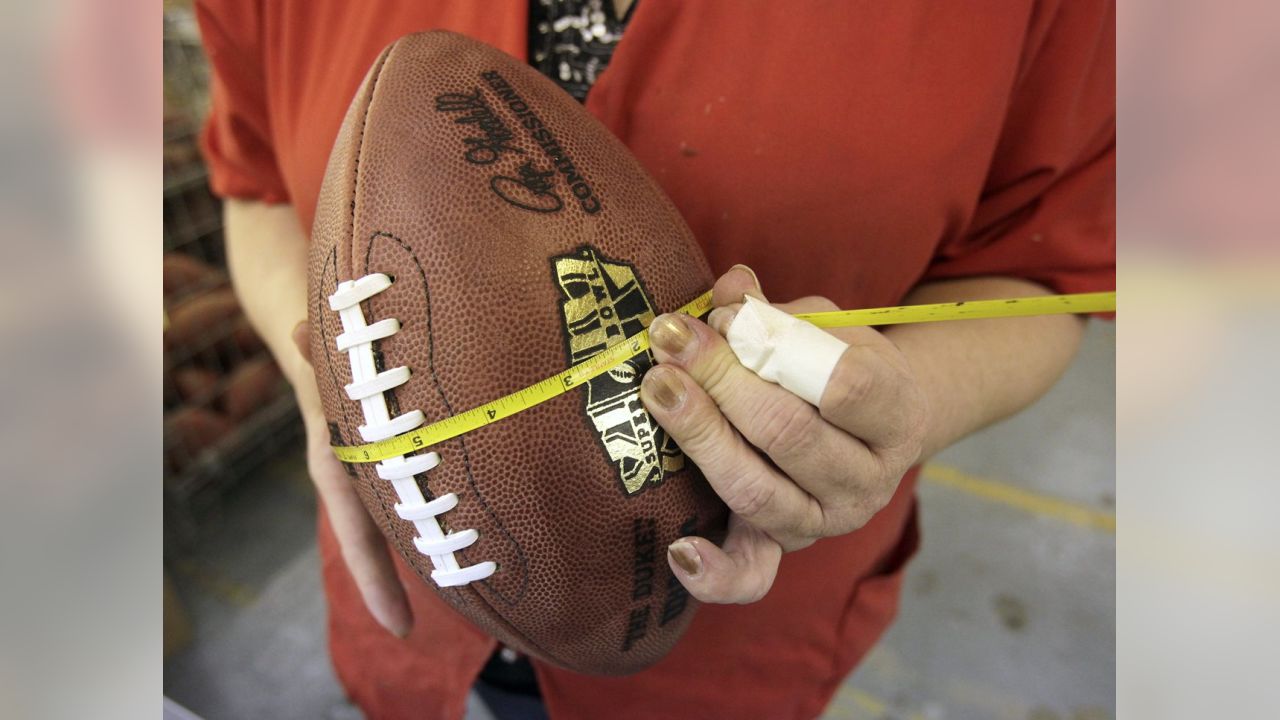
x=477 y=232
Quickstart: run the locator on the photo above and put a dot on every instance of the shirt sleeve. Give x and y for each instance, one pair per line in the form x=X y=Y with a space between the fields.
x=1047 y=210
x=236 y=138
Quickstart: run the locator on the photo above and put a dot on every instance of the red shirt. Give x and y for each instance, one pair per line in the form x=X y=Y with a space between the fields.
x=845 y=149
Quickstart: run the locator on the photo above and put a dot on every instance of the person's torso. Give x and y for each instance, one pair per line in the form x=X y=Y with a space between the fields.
x=830 y=146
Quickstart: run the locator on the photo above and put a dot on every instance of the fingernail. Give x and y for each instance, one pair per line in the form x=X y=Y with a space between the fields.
x=670 y=334
x=664 y=388
x=686 y=556
x=721 y=318
x=755 y=280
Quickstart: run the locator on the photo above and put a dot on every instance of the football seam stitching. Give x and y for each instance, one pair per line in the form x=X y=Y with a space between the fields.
x=466 y=456
x=355 y=194
x=338 y=389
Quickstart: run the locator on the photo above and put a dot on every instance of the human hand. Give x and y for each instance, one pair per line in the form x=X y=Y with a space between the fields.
x=790 y=473
x=267 y=253
x=364 y=550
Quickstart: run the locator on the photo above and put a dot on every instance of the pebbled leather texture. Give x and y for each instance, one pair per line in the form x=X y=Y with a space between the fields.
x=464 y=175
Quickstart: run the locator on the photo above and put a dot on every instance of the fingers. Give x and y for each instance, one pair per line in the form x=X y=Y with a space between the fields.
x=747 y=484
x=729 y=292
x=832 y=466
x=821 y=459
x=730 y=287
x=872 y=394
x=364 y=550
x=740 y=572
x=367 y=558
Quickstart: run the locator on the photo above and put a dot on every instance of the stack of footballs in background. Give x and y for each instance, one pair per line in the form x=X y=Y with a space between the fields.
x=217 y=371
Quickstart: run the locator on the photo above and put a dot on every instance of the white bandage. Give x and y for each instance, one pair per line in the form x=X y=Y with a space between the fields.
x=784 y=350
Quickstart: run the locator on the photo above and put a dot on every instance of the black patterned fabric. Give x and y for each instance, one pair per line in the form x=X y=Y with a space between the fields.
x=572 y=41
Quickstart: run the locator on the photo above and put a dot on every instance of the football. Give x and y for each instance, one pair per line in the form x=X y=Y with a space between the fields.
x=479 y=231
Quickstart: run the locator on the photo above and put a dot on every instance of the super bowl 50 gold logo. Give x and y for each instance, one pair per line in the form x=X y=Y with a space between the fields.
x=604 y=304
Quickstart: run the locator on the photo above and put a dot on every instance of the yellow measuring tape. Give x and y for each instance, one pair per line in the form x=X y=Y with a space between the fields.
x=540 y=392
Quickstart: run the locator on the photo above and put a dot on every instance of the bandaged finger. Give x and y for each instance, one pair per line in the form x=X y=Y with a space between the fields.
x=784 y=350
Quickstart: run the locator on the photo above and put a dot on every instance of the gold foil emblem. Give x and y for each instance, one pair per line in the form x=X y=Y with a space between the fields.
x=604 y=304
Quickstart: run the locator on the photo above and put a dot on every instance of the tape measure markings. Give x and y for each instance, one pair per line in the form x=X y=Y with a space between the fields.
x=525 y=398
x=508 y=405
x=967 y=310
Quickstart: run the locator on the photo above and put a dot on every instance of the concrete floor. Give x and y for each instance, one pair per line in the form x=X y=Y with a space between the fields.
x=1008 y=611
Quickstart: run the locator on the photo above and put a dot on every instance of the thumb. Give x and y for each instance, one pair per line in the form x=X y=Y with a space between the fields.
x=364 y=550
x=302 y=339
x=741 y=572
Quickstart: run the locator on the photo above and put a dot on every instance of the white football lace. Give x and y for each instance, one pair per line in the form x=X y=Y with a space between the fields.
x=368 y=386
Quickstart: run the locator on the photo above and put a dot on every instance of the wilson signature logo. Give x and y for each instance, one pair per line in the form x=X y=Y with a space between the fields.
x=531 y=190
x=495 y=138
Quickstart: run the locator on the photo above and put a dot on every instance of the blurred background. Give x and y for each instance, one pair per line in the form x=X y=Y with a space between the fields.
x=1009 y=610
x=227 y=408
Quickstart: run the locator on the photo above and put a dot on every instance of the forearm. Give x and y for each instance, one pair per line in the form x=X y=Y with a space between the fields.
x=977 y=372
x=267 y=256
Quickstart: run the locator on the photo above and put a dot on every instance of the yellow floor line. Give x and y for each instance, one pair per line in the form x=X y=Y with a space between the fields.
x=1024 y=500
x=851 y=703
